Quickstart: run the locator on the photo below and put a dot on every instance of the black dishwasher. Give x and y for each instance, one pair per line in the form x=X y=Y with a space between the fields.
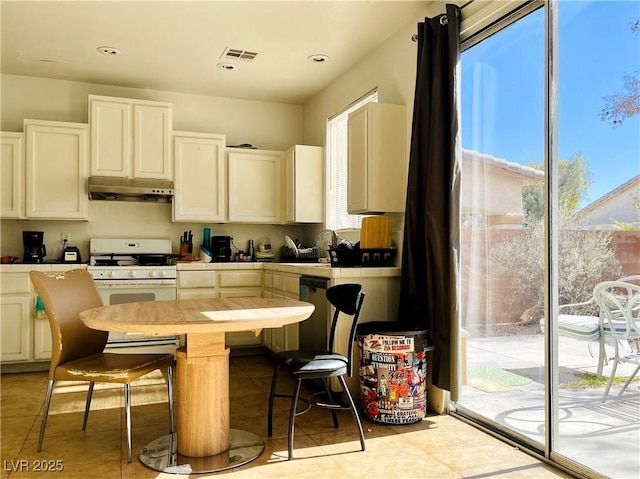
x=312 y=332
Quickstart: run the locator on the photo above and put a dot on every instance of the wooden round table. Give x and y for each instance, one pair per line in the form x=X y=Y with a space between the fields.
x=204 y=441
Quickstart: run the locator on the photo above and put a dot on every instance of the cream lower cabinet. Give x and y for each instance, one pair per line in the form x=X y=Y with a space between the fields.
x=223 y=284
x=200 y=177
x=15 y=317
x=255 y=186
x=11 y=175
x=56 y=157
x=281 y=285
x=25 y=334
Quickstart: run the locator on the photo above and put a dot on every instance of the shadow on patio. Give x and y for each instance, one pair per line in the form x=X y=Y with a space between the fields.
x=505 y=384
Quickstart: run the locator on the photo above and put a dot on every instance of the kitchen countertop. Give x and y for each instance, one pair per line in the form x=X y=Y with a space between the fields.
x=26 y=267
x=323 y=270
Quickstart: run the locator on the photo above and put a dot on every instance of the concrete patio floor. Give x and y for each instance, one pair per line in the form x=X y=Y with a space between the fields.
x=603 y=436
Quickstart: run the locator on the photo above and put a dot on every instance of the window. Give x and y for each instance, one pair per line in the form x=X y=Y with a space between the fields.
x=336 y=207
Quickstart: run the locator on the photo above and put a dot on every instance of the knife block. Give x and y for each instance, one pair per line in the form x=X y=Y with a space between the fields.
x=186 y=248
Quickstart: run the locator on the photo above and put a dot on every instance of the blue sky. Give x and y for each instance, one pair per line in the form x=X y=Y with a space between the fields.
x=503 y=90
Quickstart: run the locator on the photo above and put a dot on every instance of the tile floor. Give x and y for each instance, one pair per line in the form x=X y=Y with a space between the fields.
x=437 y=447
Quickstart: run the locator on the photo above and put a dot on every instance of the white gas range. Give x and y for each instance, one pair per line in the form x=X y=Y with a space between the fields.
x=127 y=270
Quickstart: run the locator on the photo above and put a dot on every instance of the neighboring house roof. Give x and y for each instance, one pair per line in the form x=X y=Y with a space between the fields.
x=526 y=172
x=493 y=187
x=615 y=205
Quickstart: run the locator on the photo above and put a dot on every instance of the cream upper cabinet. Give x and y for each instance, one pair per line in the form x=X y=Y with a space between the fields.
x=199 y=177
x=130 y=138
x=304 y=184
x=376 y=159
x=56 y=156
x=11 y=175
x=255 y=185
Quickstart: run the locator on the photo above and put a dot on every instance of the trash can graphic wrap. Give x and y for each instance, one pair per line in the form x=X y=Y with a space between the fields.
x=393 y=372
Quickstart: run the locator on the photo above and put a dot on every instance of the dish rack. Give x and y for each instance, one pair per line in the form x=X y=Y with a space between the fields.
x=365 y=257
x=306 y=255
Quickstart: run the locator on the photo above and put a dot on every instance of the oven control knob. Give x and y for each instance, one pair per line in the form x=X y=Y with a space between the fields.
x=153 y=273
x=112 y=274
x=163 y=274
x=133 y=274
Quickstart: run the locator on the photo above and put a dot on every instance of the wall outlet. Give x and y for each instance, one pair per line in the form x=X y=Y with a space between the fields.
x=65 y=237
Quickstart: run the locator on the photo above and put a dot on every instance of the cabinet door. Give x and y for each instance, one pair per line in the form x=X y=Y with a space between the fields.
x=41 y=337
x=357 y=169
x=11 y=175
x=255 y=186
x=110 y=120
x=56 y=170
x=277 y=334
x=152 y=141
x=15 y=314
x=304 y=174
x=376 y=159
x=199 y=176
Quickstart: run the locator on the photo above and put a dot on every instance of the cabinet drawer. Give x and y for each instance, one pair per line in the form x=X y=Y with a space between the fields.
x=229 y=279
x=15 y=283
x=196 y=279
x=197 y=293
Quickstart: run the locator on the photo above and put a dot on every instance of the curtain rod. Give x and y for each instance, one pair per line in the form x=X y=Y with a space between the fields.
x=443 y=20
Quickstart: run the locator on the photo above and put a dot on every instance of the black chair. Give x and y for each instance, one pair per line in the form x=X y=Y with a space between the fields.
x=322 y=365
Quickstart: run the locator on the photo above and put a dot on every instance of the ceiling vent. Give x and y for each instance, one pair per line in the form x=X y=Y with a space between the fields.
x=237 y=54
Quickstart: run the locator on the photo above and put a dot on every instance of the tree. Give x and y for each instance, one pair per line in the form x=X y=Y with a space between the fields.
x=573 y=184
x=623 y=104
x=584 y=259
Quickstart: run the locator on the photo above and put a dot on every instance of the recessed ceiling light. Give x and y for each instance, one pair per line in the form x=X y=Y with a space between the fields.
x=109 y=51
x=226 y=66
x=318 y=58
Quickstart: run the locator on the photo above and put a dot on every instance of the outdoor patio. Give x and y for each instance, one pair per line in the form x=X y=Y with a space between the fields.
x=505 y=384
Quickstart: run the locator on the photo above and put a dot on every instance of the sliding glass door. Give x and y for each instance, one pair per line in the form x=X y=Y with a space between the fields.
x=551 y=201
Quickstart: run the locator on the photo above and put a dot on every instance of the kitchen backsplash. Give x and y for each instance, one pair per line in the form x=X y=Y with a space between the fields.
x=124 y=219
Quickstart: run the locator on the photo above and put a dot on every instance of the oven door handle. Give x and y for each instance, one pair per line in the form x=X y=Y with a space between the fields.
x=155 y=284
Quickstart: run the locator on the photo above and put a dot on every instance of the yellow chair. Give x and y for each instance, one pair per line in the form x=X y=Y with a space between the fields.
x=78 y=351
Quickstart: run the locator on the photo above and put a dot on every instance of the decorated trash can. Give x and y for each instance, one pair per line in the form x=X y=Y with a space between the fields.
x=393 y=372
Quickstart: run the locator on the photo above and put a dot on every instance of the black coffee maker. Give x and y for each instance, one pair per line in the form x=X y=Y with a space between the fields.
x=34 y=248
x=220 y=248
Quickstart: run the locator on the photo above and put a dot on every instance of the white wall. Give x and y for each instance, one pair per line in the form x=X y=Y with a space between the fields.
x=266 y=125
x=391 y=69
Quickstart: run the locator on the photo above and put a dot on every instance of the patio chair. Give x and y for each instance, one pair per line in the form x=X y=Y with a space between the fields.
x=619 y=303
x=585 y=327
x=582 y=327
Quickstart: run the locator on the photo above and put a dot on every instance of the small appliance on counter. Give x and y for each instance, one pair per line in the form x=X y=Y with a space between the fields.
x=33 y=246
x=221 y=248
x=70 y=254
x=264 y=253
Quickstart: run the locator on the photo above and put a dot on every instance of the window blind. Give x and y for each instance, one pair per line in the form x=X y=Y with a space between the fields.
x=336 y=207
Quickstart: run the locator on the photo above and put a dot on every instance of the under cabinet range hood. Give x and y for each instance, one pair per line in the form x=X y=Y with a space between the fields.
x=109 y=188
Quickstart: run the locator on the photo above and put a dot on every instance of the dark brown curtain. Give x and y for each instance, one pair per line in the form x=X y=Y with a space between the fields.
x=428 y=297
